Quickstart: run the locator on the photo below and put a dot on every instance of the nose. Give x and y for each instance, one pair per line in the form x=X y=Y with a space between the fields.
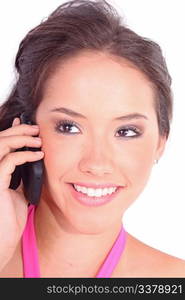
x=98 y=160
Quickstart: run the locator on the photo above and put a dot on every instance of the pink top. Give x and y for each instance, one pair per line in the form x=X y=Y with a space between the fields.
x=30 y=254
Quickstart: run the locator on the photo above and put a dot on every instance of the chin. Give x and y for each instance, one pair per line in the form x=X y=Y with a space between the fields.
x=89 y=223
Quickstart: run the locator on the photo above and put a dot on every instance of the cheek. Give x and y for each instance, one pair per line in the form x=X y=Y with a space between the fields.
x=137 y=160
x=60 y=155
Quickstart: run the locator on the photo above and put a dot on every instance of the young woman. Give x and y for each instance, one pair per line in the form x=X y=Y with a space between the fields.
x=101 y=97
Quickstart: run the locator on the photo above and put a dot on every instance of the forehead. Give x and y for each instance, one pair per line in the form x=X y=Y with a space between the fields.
x=99 y=78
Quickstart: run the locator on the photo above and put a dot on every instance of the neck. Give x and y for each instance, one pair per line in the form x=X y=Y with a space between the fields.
x=66 y=252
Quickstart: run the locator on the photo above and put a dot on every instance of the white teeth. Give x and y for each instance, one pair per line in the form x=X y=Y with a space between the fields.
x=95 y=192
x=98 y=192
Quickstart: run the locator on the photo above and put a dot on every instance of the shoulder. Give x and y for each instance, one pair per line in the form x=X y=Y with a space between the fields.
x=141 y=260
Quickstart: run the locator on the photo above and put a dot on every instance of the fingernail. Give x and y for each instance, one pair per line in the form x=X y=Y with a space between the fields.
x=15 y=121
x=37 y=138
x=39 y=153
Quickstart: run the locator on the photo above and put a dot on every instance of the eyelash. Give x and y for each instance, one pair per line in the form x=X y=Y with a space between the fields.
x=65 y=123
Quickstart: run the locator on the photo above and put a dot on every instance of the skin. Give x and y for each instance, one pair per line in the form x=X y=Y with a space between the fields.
x=101 y=87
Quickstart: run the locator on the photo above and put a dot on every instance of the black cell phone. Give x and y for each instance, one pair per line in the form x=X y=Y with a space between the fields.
x=31 y=173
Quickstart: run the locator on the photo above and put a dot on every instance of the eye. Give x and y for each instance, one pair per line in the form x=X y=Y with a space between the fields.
x=69 y=127
x=129 y=132
x=65 y=127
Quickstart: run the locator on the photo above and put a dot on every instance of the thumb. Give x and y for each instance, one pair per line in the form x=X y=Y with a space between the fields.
x=20 y=187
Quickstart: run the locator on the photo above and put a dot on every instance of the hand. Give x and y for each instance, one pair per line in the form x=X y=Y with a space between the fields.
x=13 y=205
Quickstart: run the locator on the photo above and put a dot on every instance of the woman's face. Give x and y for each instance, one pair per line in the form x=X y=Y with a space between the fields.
x=99 y=147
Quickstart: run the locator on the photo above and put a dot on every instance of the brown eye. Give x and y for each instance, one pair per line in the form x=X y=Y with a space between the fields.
x=66 y=127
x=129 y=132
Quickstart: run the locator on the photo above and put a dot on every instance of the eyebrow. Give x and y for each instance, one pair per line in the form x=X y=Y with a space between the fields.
x=73 y=113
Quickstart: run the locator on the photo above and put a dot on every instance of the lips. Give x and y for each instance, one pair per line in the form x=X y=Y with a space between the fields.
x=86 y=200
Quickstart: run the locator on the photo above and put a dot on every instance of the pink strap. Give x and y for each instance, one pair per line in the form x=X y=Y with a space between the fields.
x=29 y=247
x=113 y=256
x=30 y=254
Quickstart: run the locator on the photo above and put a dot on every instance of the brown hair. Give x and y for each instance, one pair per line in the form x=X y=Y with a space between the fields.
x=77 y=26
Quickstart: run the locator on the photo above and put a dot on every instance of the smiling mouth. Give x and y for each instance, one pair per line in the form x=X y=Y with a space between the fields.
x=92 y=200
x=94 y=192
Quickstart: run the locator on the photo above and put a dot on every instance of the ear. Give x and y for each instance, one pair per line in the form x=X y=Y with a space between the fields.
x=160 y=147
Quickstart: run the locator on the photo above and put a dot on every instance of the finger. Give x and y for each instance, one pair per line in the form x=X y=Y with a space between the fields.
x=11 y=143
x=20 y=129
x=16 y=121
x=9 y=163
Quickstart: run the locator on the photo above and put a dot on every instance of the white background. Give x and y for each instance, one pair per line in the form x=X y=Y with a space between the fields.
x=158 y=216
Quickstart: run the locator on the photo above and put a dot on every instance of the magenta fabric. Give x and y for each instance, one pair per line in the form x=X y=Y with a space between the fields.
x=30 y=252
